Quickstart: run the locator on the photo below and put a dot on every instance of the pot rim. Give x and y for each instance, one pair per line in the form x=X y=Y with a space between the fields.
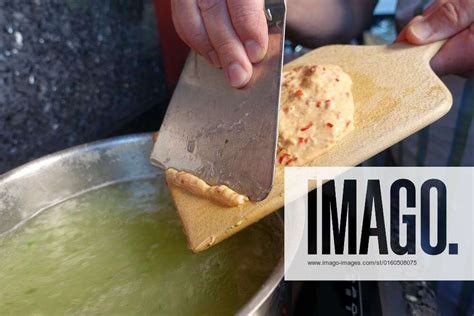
x=141 y=140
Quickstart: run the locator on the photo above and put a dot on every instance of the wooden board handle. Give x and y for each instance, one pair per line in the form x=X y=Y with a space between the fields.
x=433 y=48
x=426 y=52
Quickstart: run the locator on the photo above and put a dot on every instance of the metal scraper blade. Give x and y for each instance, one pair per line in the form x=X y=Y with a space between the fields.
x=221 y=134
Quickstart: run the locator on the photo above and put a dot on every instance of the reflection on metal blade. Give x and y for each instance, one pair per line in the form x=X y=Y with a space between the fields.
x=221 y=134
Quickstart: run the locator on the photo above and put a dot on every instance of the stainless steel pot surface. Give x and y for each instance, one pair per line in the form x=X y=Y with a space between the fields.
x=29 y=189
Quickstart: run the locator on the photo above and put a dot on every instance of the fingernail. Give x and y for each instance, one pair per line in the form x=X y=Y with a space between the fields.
x=254 y=51
x=214 y=58
x=237 y=75
x=422 y=30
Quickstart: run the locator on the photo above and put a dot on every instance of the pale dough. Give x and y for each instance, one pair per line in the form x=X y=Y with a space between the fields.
x=219 y=193
x=317 y=109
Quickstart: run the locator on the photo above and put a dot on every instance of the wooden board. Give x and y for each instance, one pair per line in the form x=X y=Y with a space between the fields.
x=396 y=94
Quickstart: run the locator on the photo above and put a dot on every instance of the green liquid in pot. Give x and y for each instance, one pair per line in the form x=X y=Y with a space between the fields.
x=121 y=250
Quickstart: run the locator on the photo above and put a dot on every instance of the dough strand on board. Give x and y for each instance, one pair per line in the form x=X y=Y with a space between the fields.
x=220 y=193
x=317 y=110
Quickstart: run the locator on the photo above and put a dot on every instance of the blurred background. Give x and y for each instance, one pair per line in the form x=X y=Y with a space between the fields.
x=74 y=71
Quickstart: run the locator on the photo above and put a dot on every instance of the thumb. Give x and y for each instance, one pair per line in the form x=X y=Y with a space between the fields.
x=445 y=21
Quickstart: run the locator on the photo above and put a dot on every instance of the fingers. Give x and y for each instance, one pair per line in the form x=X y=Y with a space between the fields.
x=402 y=35
x=226 y=42
x=231 y=34
x=433 y=7
x=453 y=19
x=248 y=20
x=443 y=21
x=190 y=27
x=459 y=48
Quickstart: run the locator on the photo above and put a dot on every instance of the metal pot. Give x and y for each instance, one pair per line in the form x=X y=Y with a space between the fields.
x=27 y=190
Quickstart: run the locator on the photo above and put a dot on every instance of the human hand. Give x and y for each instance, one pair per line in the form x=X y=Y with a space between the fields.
x=446 y=19
x=230 y=34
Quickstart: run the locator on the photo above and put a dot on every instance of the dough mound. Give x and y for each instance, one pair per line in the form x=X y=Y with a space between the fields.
x=317 y=109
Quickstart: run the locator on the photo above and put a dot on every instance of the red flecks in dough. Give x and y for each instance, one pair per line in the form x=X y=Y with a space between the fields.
x=306 y=127
x=291 y=160
x=303 y=140
x=282 y=157
x=327 y=103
